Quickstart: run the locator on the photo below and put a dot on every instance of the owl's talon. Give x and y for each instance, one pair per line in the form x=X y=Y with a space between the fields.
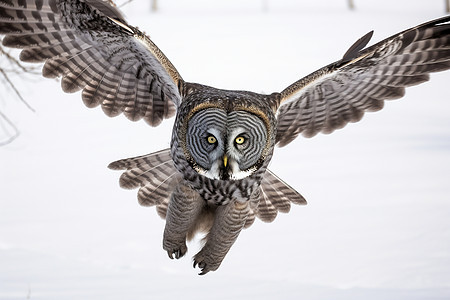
x=202 y=266
x=177 y=253
x=175 y=248
x=204 y=263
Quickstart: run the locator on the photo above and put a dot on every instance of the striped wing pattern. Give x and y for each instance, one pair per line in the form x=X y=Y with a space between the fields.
x=91 y=47
x=156 y=177
x=273 y=196
x=343 y=91
x=154 y=174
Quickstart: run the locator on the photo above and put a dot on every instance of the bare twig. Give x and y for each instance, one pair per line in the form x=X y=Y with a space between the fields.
x=125 y=3
x=17 y=64
x=11 y=84
x=16 y=133
x=154 y=5
x=29 y=69
x=351 y=4
x=16 y=67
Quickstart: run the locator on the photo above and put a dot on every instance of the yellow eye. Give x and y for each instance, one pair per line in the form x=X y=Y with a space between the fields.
x=240 y=140
x=211 y=139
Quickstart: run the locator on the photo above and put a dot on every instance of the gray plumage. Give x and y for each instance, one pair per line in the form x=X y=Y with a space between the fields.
x=214 y=177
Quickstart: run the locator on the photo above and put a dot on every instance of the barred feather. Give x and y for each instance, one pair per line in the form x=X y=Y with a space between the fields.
x=89 y=44
x=274 y=196
x=214 y=178
x=343 y=91
x=34 y=5
x=155 y=175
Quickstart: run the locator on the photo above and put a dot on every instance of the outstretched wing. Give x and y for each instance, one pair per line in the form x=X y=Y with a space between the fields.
x=343 y=91
x=89 y=44
x=155 y=175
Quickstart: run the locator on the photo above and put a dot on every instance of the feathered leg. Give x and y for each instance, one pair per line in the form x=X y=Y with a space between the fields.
x=228 y=222
x=184 y=209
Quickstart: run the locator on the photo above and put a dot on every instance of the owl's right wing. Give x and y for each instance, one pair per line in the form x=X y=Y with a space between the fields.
x=90 y=45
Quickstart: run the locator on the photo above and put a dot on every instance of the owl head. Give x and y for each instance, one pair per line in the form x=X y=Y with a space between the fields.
x=225 y=138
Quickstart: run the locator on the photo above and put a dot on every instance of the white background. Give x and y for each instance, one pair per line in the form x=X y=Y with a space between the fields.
x=377 y=223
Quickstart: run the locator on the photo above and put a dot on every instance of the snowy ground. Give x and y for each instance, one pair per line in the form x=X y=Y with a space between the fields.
x=377 y=223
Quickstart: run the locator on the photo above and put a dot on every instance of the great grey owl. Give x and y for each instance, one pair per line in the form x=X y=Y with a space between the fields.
x=214 y=177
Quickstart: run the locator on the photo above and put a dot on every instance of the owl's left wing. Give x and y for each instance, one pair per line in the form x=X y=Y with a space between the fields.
x=343 y=91
x=90 y=45
x=154 y=174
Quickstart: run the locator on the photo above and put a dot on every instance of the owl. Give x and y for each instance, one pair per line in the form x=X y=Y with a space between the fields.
x=214 y=178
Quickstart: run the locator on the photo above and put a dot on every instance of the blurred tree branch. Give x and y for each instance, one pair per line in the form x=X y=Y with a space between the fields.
x=123 y=4
x=19 y=68
x=11 y=66
x=12 y=136
x=154 y=4
x=351 y=4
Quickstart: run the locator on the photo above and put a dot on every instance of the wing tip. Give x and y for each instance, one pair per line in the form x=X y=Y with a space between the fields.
x=116 y=165
x=300 y=201
x=354 y=49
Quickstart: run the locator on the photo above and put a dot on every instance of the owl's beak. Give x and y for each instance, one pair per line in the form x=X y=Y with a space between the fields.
x=223 y=170
x=225 y=160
